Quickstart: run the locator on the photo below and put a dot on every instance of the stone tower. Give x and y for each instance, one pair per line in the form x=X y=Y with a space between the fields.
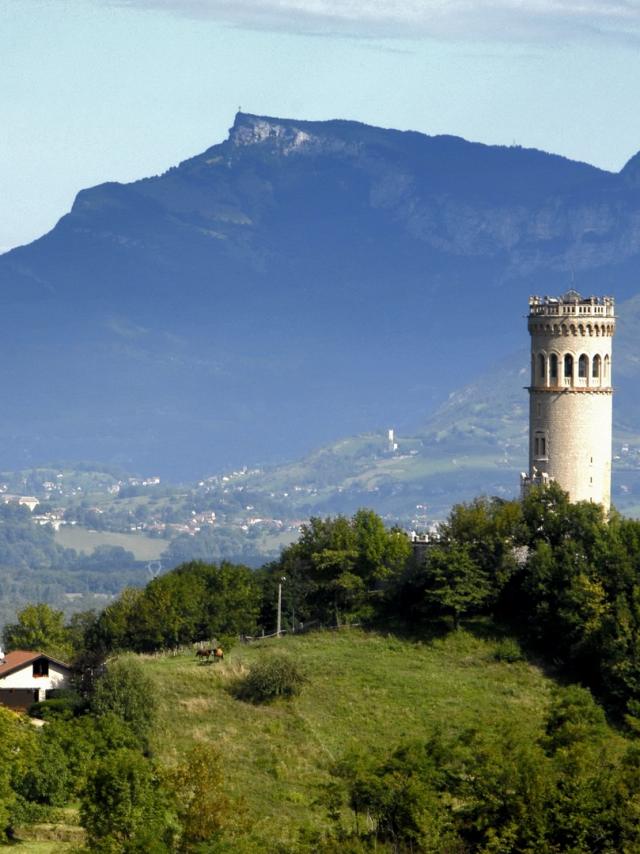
x=570 y=396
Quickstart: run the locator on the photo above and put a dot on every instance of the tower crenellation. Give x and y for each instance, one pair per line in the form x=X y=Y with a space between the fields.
x=570 y=394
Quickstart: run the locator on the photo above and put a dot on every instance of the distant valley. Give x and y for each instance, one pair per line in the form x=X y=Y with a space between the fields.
x=230 y=342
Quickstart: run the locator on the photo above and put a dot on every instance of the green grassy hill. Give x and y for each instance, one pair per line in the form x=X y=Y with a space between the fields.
x=366 y=691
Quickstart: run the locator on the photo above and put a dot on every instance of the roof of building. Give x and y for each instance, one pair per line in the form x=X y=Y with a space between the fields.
x=20 y=658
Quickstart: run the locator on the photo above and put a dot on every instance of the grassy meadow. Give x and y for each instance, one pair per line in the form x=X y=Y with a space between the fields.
x=83 y=540
x=366 y=692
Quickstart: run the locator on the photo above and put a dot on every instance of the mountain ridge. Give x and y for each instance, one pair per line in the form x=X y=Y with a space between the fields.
x=294 y=283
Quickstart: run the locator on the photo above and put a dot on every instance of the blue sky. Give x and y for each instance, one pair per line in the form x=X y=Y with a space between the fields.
x=99 y=90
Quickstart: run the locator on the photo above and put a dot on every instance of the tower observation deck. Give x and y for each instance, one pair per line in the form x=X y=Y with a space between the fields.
x=570 y=395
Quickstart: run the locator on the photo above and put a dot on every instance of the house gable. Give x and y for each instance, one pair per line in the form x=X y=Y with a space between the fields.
x=36 y=672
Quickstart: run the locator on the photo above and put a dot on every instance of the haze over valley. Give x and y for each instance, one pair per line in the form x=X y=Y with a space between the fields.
x=296 y=284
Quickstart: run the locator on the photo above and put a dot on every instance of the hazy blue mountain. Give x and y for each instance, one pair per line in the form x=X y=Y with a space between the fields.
x=298 y=282
x=475 y=443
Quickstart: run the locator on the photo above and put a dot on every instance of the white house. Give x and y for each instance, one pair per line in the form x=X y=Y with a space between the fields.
x=26 y=677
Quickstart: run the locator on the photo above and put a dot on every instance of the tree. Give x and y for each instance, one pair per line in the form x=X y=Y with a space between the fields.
x=48 y=778
x=79 y=629
x=115 y=627
x=197 y=788
x=340 y=567
x=126 y=691
x=232 y=601
x=456 y=586
x=85 y=739
x=123 y=807
x=39 y=628
x=489 y=529
x=195 y=601
x=18 y=747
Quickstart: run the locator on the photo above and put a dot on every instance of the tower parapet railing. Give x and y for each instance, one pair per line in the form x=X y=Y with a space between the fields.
x=571 y=304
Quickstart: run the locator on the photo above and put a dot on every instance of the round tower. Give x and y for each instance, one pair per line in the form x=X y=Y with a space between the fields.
x=570 y=396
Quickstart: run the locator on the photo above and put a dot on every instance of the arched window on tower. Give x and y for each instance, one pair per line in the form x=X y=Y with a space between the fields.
x=568 y=368
x=540 y=445
x=583 y=367
x=541 y=366
x=595 y=367
x=553 y=368
x=606 y=366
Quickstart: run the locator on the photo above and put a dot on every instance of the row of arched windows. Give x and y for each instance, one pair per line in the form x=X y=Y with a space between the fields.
x=589 y=329
x=564 y=370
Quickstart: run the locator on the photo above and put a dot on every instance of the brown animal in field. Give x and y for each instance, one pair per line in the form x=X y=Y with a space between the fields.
x=218 y=654
x=204 y=653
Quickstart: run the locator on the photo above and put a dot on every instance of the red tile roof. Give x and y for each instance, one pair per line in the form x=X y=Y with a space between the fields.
x=20 y=658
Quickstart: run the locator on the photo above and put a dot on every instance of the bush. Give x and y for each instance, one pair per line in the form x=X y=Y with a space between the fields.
x=198 y=794
x=48 y=780
x=508 y=650
x=61 y=704
x=276 y=676
x=31 y=812
x=123 y=807
x=126 y=691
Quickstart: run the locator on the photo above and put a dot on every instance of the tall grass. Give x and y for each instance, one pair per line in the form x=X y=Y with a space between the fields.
x=365 y=691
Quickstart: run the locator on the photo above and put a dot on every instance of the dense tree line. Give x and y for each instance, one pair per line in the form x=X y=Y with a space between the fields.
x=339 y=570
x=564 y=578
x=195 y=601
x=26 y=546
x=214 y=544
x=34 y=567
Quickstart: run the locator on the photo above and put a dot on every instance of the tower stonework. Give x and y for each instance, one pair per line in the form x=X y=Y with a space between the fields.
x=570 y=396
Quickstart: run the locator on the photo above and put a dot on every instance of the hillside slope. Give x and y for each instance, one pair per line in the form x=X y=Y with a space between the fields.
x=366 y=691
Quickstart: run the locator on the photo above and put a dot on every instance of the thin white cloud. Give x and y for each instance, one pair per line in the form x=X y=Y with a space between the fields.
x=505 y=20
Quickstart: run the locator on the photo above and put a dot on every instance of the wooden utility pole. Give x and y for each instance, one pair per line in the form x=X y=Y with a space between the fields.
x=279 y=622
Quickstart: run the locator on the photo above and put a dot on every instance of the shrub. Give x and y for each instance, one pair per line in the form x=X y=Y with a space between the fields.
x=61 y=704
x=126 y=691
x=197 y=789
x=276 y=676
x=123 y=807
x=48 y=780
x=508 y=650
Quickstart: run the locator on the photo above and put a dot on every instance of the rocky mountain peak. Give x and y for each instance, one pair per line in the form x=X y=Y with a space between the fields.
x=286 y=136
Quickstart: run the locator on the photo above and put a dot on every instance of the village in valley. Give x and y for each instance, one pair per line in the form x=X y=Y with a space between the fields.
x=87 y=508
